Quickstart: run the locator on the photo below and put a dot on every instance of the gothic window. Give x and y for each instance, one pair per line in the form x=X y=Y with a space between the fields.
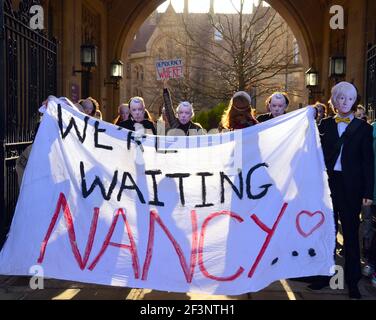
x=169 y=49
x=296 y=51
x=218 y=36
x=141 y=73
x=160 y=53
x=128 y=68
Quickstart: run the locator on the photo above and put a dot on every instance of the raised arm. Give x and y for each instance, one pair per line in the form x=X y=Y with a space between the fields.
x=171 y=118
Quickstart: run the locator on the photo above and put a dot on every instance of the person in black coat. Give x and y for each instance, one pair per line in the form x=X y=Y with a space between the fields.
x=350 y=166
x=183 y=121
x=138 y=117
x=276 y=105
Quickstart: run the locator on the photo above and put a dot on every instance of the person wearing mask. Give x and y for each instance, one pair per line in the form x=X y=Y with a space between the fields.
x=182 y=123
x=89 y=106
x=348 y=153
x=123 y=113
x=360 y=113
x=276 y=105
x=321 y=111
x=239 y=113
x=139 y=118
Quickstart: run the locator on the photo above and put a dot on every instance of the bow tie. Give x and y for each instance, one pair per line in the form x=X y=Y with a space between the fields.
x=345 y=120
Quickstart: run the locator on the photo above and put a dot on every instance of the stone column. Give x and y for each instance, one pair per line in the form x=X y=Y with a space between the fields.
x=356 y=44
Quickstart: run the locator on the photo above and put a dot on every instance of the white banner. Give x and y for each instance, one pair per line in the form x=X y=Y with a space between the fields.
x=217 y=214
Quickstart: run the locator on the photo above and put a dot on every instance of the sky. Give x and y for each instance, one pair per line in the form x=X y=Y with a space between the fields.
x=220 y=6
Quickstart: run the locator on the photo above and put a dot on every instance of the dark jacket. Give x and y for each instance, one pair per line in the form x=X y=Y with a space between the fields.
x=174 y=123
x=357 y=157
x=264 y=117
x=129 y=124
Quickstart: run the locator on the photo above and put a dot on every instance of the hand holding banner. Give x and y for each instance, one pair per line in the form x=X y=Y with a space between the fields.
x=224 y=214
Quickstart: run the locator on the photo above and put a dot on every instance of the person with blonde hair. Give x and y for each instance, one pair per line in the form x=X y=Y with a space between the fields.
x=347 y=145
x=239 y=113
x=89 y=106
x=276 y=105
x=98 y=115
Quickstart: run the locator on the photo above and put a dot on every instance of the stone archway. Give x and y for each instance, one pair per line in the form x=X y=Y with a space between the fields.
x=298 y=27
x=302 y=18
x=295 y=15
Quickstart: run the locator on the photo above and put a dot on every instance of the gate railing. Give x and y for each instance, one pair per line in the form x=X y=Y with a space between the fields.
x=27 y=76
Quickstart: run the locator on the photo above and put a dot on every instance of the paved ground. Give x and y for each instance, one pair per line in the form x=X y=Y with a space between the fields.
x=17 y=288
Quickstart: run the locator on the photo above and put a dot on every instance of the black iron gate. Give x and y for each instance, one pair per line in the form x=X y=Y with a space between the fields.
x=27 y=77
x=371 y=82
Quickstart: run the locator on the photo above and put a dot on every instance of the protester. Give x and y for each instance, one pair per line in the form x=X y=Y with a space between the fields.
x=276 y=105
x=239 y=113
x=90 y=106
x=361 y=113
x=123 y=113
x=98 y=115
x=330 y=111
x=368 y=233
x=79 y=107
x=349 y=159
x=367 y=228
x=22 y=160
x=183 y=122
x=321 y=111
x=139 y=118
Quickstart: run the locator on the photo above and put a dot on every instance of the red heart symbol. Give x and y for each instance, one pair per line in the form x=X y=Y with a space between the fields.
x=307 y=233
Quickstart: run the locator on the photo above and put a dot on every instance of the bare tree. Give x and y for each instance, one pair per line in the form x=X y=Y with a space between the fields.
x=232 y=52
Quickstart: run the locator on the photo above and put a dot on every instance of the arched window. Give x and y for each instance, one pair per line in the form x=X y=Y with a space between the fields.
x=129 y=68
x=141 y=73
x=218 y=36
x=160 y=53
x=170 y=49
x=134 y=73
x=296 y=51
